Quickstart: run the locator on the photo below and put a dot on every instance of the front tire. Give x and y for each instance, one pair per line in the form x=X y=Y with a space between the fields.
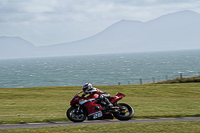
x=76 y=115
x=125 y=112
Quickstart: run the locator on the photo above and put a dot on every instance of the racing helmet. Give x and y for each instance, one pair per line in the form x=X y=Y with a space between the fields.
x=86 y=87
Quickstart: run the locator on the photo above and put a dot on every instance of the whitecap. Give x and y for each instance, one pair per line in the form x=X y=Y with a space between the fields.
x=180 y=72
x=164 y=62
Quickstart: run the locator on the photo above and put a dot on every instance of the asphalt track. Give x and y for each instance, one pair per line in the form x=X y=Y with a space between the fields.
x=34 y=125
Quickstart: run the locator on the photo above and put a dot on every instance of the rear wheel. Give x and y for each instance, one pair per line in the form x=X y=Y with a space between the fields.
x=125 y=112
x=76 y=114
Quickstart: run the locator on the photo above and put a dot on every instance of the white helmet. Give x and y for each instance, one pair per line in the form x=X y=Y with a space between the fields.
x=86 y=87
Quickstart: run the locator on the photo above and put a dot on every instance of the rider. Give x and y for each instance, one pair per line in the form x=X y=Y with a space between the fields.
x=88 y=89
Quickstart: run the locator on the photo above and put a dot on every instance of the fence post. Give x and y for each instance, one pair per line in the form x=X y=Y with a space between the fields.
x=140 y=81
x=153 y=79
x=181 y=75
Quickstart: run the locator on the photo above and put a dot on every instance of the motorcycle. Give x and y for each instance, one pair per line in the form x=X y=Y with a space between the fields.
x=93 y=108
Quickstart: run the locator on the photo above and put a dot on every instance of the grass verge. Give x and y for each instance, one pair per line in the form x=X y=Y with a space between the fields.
x=147 y=127
x=44 y=104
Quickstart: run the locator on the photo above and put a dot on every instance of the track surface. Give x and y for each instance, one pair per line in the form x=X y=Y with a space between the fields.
x=34 y=125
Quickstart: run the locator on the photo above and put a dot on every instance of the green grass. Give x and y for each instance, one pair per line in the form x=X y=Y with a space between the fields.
x=147 y=127
x=44 y=104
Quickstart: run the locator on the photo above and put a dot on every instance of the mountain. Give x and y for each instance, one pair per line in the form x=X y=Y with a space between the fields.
x=173 y=31
x=15 y=47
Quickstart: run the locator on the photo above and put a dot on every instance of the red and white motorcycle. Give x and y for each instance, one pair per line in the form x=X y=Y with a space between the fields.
x=95 y=109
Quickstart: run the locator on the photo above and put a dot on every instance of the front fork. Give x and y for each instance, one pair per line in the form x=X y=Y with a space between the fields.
x=79 y=110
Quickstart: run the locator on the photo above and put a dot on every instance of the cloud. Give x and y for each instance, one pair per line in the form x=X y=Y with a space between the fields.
x=90 y=10
x=57 y=21
x=150 y=1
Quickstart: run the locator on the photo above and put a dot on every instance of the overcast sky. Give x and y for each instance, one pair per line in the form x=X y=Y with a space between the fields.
x=47 y=22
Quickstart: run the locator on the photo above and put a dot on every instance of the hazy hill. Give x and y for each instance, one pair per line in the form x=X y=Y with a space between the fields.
x=173 y=31
x=15 y=47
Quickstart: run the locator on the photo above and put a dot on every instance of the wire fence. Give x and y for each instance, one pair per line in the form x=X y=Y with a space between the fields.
x=159 y=78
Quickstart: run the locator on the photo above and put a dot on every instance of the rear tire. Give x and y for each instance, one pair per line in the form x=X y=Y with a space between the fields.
x=125 y=112
x=74 y=116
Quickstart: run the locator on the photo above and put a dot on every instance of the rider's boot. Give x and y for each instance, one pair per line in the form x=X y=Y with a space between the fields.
x=109 y=104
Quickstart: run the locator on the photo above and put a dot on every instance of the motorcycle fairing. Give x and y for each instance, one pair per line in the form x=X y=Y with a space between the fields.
x=75 y=99
x=95 y=115
x=116 y=98
x=86 y=101
x=90 y=106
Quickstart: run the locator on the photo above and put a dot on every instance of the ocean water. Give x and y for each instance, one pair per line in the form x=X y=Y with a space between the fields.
x=107 y=69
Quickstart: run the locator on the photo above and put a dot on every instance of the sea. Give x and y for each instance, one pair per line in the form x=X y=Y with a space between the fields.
x=107 y=69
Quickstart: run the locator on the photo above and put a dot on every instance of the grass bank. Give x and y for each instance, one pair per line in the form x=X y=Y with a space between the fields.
x=44 y=104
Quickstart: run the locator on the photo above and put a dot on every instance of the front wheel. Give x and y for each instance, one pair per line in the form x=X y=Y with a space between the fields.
x=125 y=112
x=76 y=114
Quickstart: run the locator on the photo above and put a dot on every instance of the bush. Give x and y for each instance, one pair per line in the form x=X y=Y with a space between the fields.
x=180 y=80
